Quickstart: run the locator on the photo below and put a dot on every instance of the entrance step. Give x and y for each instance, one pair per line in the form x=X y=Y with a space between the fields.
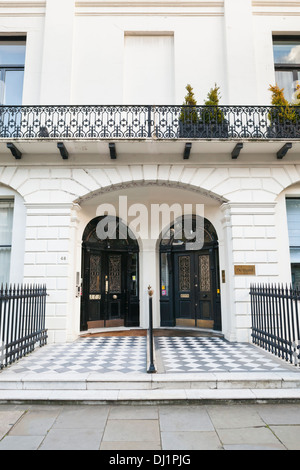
x=138 y=388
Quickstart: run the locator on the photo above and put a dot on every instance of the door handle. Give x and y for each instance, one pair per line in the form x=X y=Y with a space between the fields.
x=196 y=285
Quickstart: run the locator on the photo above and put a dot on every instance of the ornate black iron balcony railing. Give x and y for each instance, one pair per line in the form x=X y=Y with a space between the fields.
x=142 y=122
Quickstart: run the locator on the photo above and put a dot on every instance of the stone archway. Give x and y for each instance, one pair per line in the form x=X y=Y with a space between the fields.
x=148 y=194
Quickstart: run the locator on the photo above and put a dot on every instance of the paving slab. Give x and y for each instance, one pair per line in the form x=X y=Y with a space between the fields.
x=132 y=430
x=21 y=442
x=191 y=440
x=191 y=418
x=74 y=417
x=127 y=445
x=288 y=435
x=138 y=411
x=35 y=423
x=254 y=436
x=72 y=439
x=8 y=418
x=279 y=414
x=232 y=417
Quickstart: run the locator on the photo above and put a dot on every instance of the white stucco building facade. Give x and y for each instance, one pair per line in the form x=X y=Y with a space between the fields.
x=85 y=54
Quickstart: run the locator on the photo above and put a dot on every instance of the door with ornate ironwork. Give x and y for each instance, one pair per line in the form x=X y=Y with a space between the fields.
x=193 y=289
x=105 y=289
x=110 y=287
x=110 y=291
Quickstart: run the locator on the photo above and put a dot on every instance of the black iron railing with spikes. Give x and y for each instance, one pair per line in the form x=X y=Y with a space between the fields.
x=22 y=321
x=275 y=320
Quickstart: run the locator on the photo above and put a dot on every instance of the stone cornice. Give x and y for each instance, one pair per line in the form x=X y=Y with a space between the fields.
x=151 y=8
x=141 y=7
x=25 y=4
x=276 y=7
x=22 y=8
x=140 y=3
x=276 y=3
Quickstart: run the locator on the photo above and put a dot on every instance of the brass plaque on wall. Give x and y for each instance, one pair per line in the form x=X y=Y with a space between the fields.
x=244 y=270
x=184 y=296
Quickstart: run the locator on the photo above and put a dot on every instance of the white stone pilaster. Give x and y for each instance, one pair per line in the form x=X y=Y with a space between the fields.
x=240 y=52
x=49 y=248
x=56 y=76
x=250 y=241
x=149 y=275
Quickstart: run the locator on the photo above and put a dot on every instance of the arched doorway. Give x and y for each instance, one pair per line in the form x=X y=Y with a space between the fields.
x=189 y=278
x=110 y=288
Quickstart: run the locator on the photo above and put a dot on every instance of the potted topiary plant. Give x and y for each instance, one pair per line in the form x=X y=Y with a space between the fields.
x=284 y=117
x=213 y=120
x=188 y=118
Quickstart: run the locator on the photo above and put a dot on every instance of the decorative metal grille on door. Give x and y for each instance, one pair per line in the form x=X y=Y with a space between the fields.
x=95 y=274
x=204 y=273
x=115 y=273
x=184 y=273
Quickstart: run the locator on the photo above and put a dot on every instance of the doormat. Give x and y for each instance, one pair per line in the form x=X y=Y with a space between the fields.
x=169 y=332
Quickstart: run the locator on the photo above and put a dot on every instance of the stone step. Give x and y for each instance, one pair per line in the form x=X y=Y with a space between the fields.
x=150 y=396
x=147 y=388
x=119 y=381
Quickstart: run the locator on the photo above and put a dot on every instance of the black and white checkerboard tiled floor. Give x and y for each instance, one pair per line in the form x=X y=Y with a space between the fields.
x=127 y=354
x=199 y=354
x=107 y=354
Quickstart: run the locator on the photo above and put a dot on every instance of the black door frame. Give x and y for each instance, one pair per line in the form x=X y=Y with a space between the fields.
x=167 y=301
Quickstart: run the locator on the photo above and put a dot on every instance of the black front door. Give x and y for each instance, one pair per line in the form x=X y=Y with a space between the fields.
x=110 y=294
x=105 y=289
x=194 y=288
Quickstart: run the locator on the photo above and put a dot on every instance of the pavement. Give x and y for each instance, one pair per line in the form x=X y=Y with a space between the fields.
x=125 y=430
x=95 y=393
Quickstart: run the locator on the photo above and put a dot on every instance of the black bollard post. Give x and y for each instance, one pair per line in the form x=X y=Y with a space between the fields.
x=151 y=365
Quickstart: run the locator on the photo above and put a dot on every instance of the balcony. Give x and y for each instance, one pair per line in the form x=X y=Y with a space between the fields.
x=140 y=123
